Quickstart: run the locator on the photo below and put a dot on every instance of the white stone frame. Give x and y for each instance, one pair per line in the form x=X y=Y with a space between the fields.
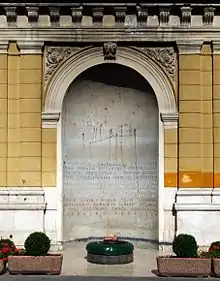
x=89 y=57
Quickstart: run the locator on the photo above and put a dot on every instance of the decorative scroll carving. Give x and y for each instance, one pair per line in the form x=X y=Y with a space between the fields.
x=109 y=51
x=32 y=14
x=165 y=57
x=186 y=15
x=11 y=15
x=164 y=16
x=77 y=15
x=209 y=13
x=142 y=14
x=54 y=56
x=54 y=15
x=97 y=15
x=120 y=13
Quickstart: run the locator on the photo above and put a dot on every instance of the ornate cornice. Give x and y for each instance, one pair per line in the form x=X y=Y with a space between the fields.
x=184 y=12
x=166 y=57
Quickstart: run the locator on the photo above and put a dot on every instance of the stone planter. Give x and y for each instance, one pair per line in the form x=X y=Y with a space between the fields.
x=51 y=264
x=216 y=266
x=2 y=267
x=171 y=266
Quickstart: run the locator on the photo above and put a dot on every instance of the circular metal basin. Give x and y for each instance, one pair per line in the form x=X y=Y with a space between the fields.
x=110 y=252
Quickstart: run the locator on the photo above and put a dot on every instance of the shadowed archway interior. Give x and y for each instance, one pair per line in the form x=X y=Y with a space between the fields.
x=110 y=153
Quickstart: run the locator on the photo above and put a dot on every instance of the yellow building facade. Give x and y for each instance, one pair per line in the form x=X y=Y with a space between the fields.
x=41 y=55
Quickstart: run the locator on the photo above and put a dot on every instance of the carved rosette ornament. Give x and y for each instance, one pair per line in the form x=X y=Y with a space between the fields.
x=54 y=56
x=165 y=57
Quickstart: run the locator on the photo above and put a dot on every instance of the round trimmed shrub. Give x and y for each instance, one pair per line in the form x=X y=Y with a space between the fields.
x=185 y=246
x=37 y=244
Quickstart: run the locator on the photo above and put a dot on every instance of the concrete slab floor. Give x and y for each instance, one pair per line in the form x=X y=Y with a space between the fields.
x=75 y=263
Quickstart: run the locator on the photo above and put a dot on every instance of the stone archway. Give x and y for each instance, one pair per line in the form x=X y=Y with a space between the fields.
x=84 y=59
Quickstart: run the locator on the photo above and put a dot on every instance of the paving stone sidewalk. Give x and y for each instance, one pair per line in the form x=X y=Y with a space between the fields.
x=96 y=278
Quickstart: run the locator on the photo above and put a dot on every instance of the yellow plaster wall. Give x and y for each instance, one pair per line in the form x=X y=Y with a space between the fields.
x=216 y=117
x=195 y=133
x=48 y=157
x=190 y=122
x=3 y=118
x=30 y=119
x=13 y=130
x=171 y=157
x=27 y=152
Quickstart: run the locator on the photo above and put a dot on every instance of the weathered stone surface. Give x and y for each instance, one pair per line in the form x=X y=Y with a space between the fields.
x=110 y=148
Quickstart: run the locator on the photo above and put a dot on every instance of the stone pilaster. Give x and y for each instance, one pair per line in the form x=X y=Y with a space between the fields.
x=170 y=122
x=30 y=113
x=13 y=128
x=3 y=112
x=190 y=120
x=216 y=111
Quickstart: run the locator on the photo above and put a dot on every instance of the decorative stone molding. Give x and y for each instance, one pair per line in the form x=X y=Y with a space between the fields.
x=4 y=47
x=69 y=69
x=170 y=120
x=165 y=57
x=109 y=51
x=216 y=47
x=142 y=14
x=189 y=47
x=209 y=13
x=77 y=15
x=194 y=195
x=164 y=16
x=49 y=120
x=186 y=15
x=22 y=199
x=196 y=207
x=32 y=14
x=97 y=15
x=54 y=56
x=120 y=13
x=30 y=47
x=11 y=15
x=216 y=195
x=54 y=16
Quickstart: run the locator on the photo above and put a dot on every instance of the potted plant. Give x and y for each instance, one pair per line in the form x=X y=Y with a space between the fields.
x=186 y=261
x=7 y=247
x=214 y=253
x=36 y=259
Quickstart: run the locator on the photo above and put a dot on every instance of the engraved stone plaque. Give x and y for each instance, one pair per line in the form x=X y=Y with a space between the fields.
x=110 y=161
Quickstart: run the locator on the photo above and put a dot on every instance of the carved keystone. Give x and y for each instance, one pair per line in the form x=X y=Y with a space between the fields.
x=109 y=51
